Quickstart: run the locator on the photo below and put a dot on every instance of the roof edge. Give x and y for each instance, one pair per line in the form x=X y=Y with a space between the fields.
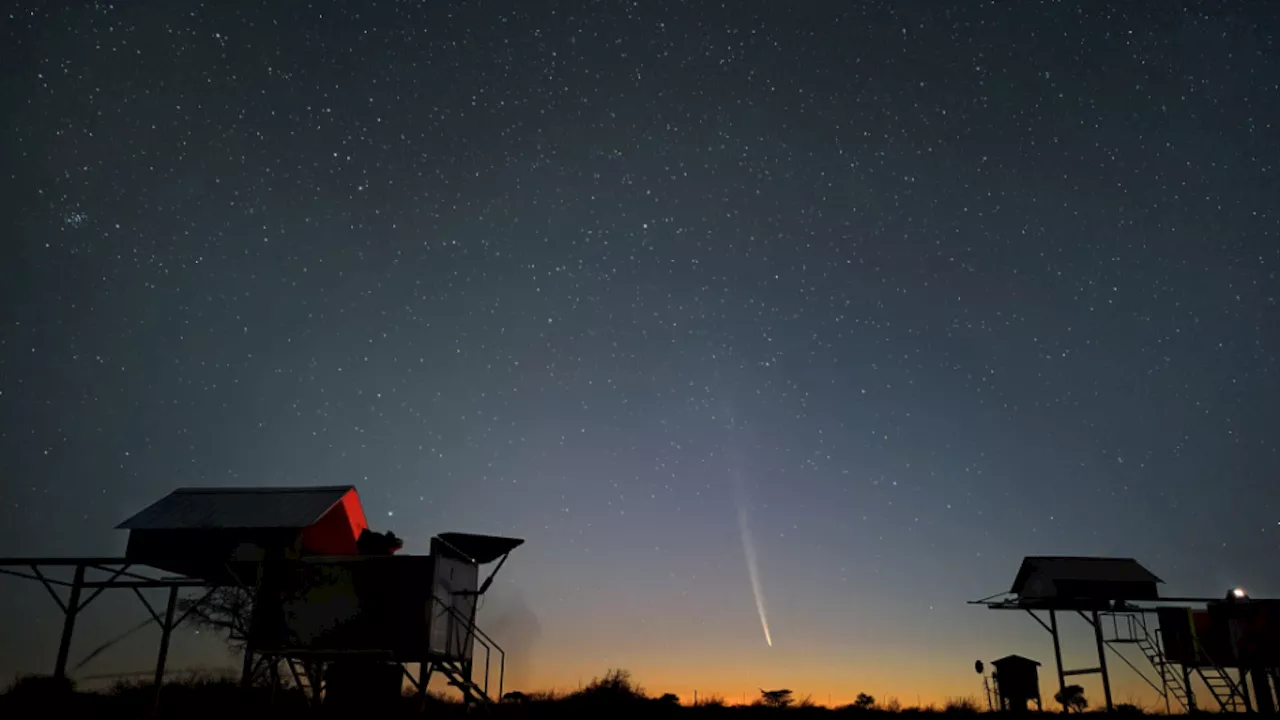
x=343 y=491
x=213 y=490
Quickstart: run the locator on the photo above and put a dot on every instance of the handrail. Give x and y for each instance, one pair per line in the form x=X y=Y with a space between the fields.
x=1135 y=623
x=485 y=640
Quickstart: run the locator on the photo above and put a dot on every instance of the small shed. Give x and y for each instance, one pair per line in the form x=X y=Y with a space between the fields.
x=1082 y=582
x=1017 y=681
x=212 y=533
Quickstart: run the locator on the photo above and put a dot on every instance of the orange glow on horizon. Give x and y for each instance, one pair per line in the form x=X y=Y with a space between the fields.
x=824 y=687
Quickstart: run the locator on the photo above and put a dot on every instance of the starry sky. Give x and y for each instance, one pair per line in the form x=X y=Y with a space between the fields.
x=914 y=288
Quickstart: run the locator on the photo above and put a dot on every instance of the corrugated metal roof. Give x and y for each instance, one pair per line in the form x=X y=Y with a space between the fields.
x=1086 y=569
x=238 y=507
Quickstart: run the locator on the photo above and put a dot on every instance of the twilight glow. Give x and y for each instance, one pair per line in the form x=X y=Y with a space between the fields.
x=982 y=280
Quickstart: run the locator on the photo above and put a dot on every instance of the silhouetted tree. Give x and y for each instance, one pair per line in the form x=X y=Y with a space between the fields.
x=864 y=702
x=775 y=698
x=229 y=610
x=615 y=686
x=1072 y=698
x=226 y=609
x=670 y=699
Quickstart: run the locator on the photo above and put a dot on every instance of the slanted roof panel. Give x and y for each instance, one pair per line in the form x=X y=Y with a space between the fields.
x=237 y=507
x=480 y=549
x=1084 y=569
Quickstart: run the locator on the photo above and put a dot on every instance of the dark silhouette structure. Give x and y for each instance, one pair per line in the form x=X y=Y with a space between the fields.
x=330 y=598
x=372 y=543
x=1119 y=600
x=776 y=698
x=1017 y=682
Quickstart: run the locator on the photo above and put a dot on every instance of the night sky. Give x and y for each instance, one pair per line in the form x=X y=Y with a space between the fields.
x=914 y=290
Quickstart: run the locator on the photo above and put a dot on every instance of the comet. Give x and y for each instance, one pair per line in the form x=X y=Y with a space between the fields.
x=753 y=568
x=744 y=527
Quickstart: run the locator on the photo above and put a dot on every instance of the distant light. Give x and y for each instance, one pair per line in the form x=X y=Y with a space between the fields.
x=1239 y=593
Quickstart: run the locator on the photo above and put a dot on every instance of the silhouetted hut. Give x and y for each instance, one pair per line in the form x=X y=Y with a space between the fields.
x=1017 y=682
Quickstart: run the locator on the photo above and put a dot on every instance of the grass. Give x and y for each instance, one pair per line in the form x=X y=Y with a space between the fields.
x=613 y=694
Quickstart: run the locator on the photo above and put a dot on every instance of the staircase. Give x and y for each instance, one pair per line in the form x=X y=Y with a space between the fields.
x=311 y=687
x=459 y=675
x=1131 y=629
x=1228 y=694
x=458 y=672
x=1170 y=675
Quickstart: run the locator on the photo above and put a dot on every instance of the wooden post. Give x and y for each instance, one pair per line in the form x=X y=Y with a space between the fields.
x=317 y=682
x=274 y=672
x=1102 y=659
x=1244 y=690
x=1057 y=655
x=163 y=656
x=1186 y=684
x=1262 y=691
x=246 y=670
x=69 y=624
x=424 y=679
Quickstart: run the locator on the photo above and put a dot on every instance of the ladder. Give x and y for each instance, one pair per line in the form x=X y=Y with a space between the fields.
x=457 y=671
x=1170 y=677
x=312 y=688
x=1134 y=631
x=459 y=676
x=1225 y=690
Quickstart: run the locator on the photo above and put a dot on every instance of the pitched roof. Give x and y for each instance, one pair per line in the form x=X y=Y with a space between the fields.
x=1014 y=660
x=1085 y=569
x=238 y=507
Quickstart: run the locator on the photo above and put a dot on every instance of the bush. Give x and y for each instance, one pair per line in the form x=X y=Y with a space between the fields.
x=715 y=701
x=616 y=686
x=961 y=705
x=40 y=686
x=44 y=694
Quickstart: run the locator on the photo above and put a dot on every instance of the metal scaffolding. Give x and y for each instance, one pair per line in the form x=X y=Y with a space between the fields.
x=120 y=576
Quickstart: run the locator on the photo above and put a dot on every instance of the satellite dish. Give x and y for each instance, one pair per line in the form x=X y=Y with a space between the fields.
x=977 y=666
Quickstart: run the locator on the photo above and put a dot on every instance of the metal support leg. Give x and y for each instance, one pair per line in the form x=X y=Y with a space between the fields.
x=246 y=671
x=69 y=624
x=274 y=671
x=1102 y=660
x=1186 y=683
x=1262 y=691
x=166 y=629
x=424 y=677
x=317 y=682
x=1057 y=656
x=1275 y=684
x=1244 y=690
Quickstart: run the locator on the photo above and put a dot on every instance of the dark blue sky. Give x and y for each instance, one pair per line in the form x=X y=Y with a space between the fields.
x=973 y=283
